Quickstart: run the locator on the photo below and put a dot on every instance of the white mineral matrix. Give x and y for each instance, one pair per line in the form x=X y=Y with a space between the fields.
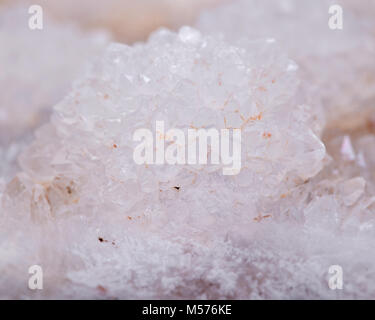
x=104 y=226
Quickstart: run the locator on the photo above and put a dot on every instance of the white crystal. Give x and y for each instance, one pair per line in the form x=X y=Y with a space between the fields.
x=347 y=149
x=195 y=81
x=103 y=227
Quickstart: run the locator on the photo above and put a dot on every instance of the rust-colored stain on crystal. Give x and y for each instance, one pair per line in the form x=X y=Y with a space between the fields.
x=267 y=135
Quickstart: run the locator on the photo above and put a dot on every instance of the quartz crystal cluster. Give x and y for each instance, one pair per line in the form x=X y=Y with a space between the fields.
x=102 y=226
x=338 y=63
x=186 y=80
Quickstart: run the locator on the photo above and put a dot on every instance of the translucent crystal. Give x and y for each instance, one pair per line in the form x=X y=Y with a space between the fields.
x=112 y=214
x=102 y=226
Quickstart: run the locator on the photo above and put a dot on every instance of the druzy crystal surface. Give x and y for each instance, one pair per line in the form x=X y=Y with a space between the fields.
x=186 y=80
x=102 y=226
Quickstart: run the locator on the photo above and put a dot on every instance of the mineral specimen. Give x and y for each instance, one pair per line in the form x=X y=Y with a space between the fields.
x=188 y=81
x=102 y=226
